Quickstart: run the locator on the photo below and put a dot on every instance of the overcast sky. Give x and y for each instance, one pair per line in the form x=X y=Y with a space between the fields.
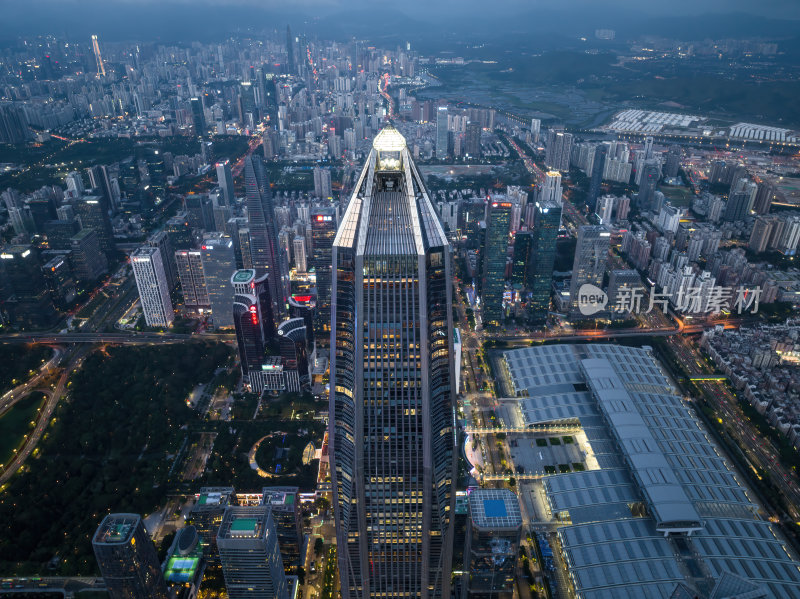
x=204 y=18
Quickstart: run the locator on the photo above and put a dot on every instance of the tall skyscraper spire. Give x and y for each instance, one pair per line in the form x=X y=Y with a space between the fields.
x=264 y=247
x=101 y=69
x=392 y=384
x=290 y=65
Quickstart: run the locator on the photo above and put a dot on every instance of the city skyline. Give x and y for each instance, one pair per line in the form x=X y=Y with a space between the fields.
x=362 y=301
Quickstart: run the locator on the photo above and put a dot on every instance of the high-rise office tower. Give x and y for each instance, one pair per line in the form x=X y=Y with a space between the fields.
x=322 y=183
x=299 y=250
x=472 y=142
x=550 y=192
x=101 y=67
x=764 y=197
x=559 y=149
x=88 y=262
x=151 y=280
x=290 y=64
x=189 y=265
x=25 y=292
x=179 y=231
x=648 y=148
x=100 y=180
x=523 y=242
x=392 y=384
x=91 y=211
x=74 y=183
x=323 y=232
x=253 y=319
x=498 y=219
x=264 y=247
x=598 y=166
x=198 y=117
x=199 y=211
x=59 y=233
x=442 y=133
x=13 y=125
x=736 y=207
x=494 y=530
x=127 y=559
x=243 y=237
x=547 y=221
x=604 y=208
x=651 y=173
x=60 y=281
x=218 y=264
x=161 y=241
x=536 y=129
x=292 y=341
x=206 y=516
x=285 y=505
x=591 y=258
x=247 y=542
x=225 y=181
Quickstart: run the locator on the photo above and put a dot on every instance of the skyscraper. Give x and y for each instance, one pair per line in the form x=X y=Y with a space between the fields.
x=498 y=218
x=473 y=140
x=322 y=183
x=151 y=280
x=254 y=321
x=219 y=263
x=101 y=68
x=161 y=241
x=551 y=190
x=591 y=257
x=292 y=342
x=651 y=173
x=99 y=180
x=248 y=549
x=189 y=265
x=598 y=167
x=127 y=559
x=290 y=64
x=523 y=242
x=91 y=211
x=28 y=302
x=392 y=384
x=198 y=117
x=264 y=247
x=323 y=231
x=559 y=148
x=442 y=133
x=299 y=250
x=225 y=181
x=285 y=505
x=88 y=262
x=736 y=206
x=494 y=529
x=547 y=221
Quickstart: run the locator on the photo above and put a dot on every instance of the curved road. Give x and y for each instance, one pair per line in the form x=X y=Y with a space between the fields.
x=44 y=416
x=14 y=395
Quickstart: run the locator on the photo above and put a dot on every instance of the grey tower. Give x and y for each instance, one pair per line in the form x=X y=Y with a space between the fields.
x=392 y=449
x=264 y=248
x=128 y=559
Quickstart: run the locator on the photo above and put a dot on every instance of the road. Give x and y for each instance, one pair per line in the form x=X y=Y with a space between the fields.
x=14 y=395
x=76 y=357
x=757 y=449
x=122 y=338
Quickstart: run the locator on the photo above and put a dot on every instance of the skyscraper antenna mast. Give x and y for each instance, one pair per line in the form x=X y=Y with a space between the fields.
x=101 y=69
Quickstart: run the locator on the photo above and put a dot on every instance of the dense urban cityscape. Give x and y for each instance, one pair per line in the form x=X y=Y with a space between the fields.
x=317 y=306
